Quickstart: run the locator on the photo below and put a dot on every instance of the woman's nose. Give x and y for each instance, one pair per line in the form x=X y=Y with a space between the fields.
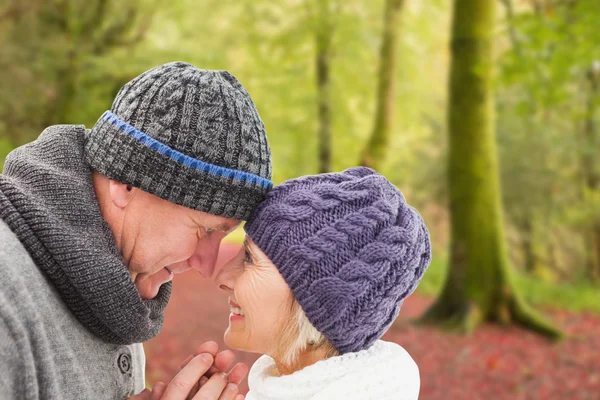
x=227 y=276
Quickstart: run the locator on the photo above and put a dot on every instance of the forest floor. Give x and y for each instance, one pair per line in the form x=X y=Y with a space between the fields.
x=493 y=363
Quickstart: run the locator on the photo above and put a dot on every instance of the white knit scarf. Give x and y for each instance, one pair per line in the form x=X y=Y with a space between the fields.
x=383 y=372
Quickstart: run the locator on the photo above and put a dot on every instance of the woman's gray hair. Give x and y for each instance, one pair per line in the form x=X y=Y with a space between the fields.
x=298 y=334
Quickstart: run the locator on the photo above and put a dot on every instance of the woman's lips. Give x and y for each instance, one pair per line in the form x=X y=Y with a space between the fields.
x=236 y=313
x=235 y=317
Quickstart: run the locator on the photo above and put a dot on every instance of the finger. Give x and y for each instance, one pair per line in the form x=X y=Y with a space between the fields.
x=185 y=380
x=186 y=361
x=238 y=373
x=212 y=370
x=203 y=381
x=213 y=388
x=224 y=360
x=143 y=395
x=222 y=363
x=210 y=347
x=157 y=390
x=193 y=391
x=239 y=397
x=231 y=390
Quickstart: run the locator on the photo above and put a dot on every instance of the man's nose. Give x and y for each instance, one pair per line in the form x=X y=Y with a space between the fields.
x=205 y=257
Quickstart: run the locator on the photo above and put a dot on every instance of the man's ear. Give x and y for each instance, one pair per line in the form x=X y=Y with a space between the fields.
x=120 y=193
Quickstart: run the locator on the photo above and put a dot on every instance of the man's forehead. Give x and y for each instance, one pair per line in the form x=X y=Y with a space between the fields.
x=213 y=222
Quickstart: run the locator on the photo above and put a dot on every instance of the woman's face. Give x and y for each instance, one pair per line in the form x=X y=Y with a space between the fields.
x=260 y=301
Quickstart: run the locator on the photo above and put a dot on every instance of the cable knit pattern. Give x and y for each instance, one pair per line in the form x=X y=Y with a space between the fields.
x=198 y=115
x=383 y=372
x=349 y=247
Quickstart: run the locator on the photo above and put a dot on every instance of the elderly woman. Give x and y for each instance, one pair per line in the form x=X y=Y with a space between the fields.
x=327 y=261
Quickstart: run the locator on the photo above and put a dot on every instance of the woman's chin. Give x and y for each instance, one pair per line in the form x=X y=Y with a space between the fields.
x=235 y=341
x=229 y=340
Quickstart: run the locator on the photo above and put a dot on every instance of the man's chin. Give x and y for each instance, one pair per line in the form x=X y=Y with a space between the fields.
x=148 y=292
x=148 y=286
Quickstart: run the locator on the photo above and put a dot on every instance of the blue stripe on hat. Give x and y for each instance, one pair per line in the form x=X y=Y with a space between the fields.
x=181 y=158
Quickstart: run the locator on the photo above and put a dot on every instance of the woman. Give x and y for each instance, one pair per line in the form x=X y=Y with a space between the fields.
x=327 y=261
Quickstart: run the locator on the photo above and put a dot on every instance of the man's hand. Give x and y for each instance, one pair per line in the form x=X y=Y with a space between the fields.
x=201 y=376
x=223 y=362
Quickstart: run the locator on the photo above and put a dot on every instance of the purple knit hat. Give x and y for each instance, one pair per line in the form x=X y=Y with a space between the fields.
x=348 y=246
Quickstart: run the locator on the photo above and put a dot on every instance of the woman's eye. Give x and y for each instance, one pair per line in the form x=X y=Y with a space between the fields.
x=247 y=258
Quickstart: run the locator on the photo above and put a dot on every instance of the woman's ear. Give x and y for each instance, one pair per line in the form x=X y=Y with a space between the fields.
x=120 y=193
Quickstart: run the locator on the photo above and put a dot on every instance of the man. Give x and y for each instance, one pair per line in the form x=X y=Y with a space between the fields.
x=95 y=223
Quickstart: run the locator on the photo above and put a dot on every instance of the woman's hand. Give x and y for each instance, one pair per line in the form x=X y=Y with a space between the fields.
x=207 y=365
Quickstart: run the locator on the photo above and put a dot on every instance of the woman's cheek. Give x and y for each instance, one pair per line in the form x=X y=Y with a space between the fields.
x=253 y=297
x=244 y=293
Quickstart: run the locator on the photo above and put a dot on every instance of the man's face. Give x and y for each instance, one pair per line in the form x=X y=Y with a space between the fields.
x=159 y=239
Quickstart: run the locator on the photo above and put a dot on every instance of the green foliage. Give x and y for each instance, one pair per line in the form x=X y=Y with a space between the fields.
x=269 y=46
x=543 y=110
x=5 y=148
x=51 y=54
x=63 y=61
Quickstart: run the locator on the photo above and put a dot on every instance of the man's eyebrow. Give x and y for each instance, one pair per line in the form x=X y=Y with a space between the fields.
x=225 y=227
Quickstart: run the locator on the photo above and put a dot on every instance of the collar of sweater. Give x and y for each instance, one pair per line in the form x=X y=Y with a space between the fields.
x=48 y=200
x=384 y=371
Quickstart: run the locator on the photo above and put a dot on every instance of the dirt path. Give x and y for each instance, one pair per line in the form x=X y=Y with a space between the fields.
x=494 y=363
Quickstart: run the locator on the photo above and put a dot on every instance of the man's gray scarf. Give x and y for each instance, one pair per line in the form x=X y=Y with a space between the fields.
x=48 y=200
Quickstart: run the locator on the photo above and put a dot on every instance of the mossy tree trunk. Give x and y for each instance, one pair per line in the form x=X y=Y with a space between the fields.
x=590 y=171
x=375 y=150
x=324 y=36
x=478 y=287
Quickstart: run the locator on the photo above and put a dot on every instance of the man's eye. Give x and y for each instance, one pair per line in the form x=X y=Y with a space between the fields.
x=203 y=232
x=247 y=258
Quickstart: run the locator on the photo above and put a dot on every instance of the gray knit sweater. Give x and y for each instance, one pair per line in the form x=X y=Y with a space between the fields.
x=71 y=319
x=45 y=352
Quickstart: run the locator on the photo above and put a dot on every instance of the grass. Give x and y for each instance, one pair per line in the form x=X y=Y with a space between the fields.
x=578 y=297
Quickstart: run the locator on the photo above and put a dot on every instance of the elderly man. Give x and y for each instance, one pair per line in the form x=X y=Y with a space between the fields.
x=95 y=223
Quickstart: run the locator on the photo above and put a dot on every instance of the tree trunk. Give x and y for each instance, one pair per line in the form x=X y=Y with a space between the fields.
x=527 y=243
x=374 y=153
x=479 y=285
x=590 y=173
x=595 y=273
x=324 y=36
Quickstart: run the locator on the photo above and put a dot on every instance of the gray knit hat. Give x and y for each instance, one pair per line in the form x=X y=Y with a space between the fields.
x=192 y=137
x=348 y=246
